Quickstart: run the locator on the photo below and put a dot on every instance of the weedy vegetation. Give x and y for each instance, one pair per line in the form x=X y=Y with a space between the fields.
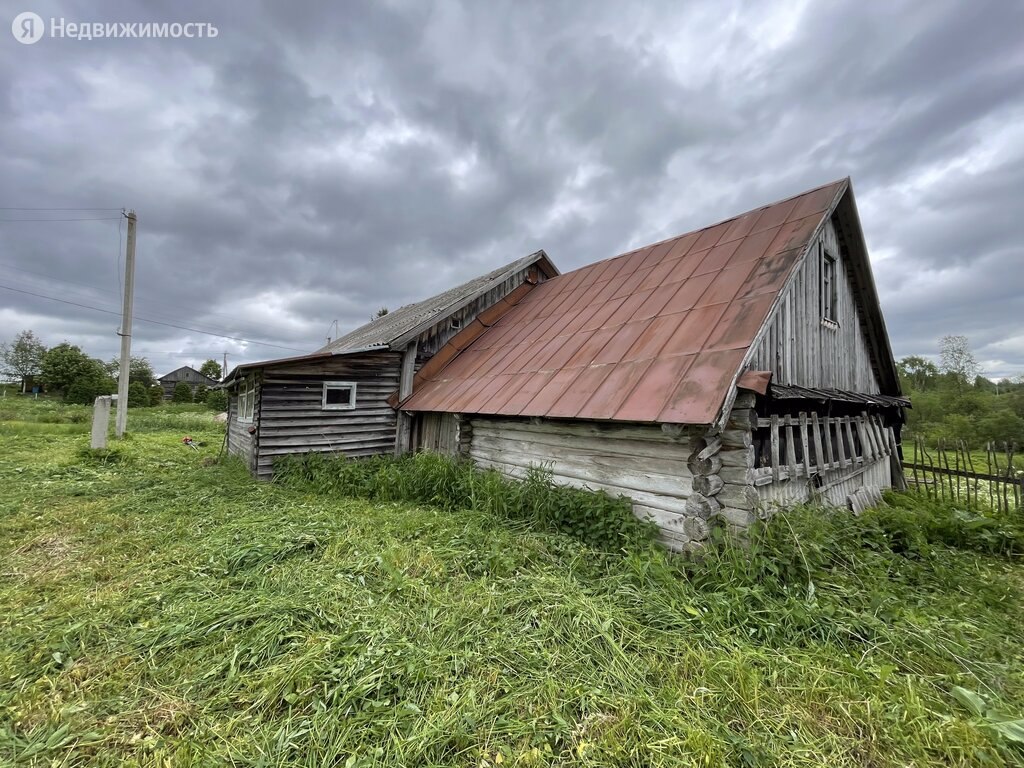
x=160 y=609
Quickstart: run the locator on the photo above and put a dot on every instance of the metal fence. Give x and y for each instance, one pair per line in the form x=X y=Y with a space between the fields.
x=989 y=479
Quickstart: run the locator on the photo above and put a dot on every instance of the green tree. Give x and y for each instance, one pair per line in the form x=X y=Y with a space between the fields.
x=139 y=370
x=182 y=393
x=211 y=369
x=217 y=399
x=199 y=395
x=138 y=395
x=917 y=373
x=23 y=357
x=156 y=395
x=66 y=364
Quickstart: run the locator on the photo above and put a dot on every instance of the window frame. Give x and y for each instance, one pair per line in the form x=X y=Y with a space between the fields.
x=247 y=400
x=829 y=289
x=335 y=385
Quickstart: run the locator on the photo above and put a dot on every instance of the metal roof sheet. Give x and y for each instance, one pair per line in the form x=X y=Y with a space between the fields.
x=656 y=334
x=395 y=324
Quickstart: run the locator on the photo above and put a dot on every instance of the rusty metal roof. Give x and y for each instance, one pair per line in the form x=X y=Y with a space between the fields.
x=657 y=334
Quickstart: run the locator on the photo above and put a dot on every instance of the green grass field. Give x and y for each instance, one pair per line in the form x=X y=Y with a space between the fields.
x=158 y=607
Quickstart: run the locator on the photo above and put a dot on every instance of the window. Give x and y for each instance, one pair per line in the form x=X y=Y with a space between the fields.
x=246 y=399
x=828 y=286
x=339 y=395
x=456 y=323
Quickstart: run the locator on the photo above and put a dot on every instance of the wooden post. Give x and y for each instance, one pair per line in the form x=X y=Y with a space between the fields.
x=126 y=328
x=827 y=429
x=404 y=427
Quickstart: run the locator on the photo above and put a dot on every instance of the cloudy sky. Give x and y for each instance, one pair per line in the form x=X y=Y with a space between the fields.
x=314 y=162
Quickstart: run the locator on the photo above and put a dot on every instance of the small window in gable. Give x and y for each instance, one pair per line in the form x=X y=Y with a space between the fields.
x=828 y=286
x=456 y=323
x=339 y=395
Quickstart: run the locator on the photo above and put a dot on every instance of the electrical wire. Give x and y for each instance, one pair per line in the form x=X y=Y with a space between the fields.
x=98 y=218
x=149 y=320
x=170 y=309
x=8 y=208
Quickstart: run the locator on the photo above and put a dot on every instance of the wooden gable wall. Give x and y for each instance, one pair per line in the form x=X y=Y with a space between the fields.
x=799 y=348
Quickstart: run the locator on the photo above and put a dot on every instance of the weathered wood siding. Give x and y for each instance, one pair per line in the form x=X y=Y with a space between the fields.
x=802 y=349
x=293 y=420
x=439 y=334
x=640 y=462
x=240 y=442
x=438 y=433
x=837 y=486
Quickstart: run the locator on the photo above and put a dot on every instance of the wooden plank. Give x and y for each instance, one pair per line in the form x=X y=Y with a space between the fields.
x=819 y=455
x=848 y=428
x=775 y=448
x=790 y=447
x=837 y=424
x=805 y=445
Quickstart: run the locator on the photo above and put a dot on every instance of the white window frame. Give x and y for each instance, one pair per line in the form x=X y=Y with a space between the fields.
x=247 y=399
x=829 y=289
x=329 y=385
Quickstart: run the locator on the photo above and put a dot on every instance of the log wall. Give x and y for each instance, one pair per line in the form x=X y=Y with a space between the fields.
x=644 y=463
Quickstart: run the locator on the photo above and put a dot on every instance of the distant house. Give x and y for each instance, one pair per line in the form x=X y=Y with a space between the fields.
x=186 y=374
x=711 y=375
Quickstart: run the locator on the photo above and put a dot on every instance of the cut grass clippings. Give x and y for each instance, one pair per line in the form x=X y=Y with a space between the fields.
x=159 y=611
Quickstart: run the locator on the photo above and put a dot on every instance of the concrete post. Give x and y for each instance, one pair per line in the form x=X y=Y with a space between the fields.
x=100 y=421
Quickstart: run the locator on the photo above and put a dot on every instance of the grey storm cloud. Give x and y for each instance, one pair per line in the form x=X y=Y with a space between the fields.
x=316 y=161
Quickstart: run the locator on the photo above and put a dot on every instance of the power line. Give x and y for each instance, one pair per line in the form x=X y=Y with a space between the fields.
x=36 y=276
x=7 y=208
x=95 y=218
x=149 y=320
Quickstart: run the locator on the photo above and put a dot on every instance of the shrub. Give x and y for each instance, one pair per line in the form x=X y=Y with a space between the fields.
x=199 y=395
x=182 y=393
x=156 y=395
x=138 y=397
x=217 y=399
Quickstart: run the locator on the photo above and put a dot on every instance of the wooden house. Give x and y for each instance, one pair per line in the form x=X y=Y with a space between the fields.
x=712 y=375
x=335 y=400
x=186 y=374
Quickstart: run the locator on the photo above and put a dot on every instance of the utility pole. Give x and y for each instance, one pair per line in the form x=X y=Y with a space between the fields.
x=126 y=328
x=224 y=368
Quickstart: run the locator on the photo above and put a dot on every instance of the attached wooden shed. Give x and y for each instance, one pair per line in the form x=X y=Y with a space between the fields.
x=714 y=374
x=336 y=400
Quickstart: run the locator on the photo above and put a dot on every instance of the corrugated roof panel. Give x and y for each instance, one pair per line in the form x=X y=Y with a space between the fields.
x=656 y=334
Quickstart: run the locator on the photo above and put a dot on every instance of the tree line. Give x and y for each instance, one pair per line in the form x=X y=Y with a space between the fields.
x=66 y=371
x=951 y=400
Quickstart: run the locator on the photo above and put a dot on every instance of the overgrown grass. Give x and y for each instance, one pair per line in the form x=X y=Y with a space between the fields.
x=595 y=518
x=160 y=611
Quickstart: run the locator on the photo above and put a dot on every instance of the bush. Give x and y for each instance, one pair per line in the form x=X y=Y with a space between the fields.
x=217 y=399
x=138 y=397
x=85 y=390
x=199 y=395
x=156 y=395
x=182 y=393
x=427 y=478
